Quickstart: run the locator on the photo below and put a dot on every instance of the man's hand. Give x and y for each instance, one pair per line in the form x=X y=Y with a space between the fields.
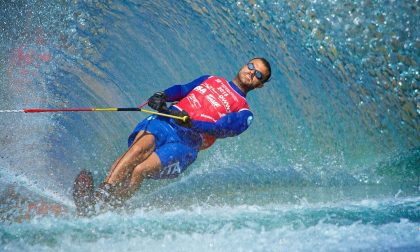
x=187 y=123
x=158 y=102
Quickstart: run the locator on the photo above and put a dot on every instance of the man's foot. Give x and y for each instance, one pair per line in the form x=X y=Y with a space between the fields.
x=106 y=196
x=83 y=194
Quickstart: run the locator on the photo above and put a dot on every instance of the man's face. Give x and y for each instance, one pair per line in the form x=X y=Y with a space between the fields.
x=248 y=77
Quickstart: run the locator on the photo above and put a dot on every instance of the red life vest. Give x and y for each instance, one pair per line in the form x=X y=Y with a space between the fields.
x=210 y=101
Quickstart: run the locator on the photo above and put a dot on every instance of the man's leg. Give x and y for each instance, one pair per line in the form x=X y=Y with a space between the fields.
x=140 y=150
x=114 y=186
x=148 y=167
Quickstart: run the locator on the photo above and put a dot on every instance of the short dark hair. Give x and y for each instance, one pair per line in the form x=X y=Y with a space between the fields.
x=267 y=65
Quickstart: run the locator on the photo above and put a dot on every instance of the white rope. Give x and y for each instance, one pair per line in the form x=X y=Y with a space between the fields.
x=11 y=111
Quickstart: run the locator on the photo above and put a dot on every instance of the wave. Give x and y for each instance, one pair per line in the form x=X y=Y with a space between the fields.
x=329 y=116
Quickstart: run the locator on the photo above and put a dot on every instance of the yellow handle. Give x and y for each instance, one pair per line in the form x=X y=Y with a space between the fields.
x=182 y=118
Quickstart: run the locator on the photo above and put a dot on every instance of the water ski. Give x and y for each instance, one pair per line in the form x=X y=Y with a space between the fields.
x=83 y=194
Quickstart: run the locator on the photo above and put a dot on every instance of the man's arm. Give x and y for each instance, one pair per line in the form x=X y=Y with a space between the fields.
x=230 y=125
x=177 y=92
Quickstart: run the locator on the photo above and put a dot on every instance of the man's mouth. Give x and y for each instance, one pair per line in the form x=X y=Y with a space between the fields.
x=248 y=76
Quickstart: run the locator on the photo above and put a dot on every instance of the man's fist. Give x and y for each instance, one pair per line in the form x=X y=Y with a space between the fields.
x=186 y=122
x=158 y=102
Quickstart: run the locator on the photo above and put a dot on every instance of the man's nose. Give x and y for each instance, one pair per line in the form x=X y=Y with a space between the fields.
x=252 y=73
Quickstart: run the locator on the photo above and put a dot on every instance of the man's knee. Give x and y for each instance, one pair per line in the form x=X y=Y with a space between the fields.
x=143 y=134
x=141 y=172
x=148 y=168
x=144 y=142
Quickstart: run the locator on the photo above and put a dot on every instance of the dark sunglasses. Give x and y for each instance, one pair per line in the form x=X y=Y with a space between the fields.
x=258 y=74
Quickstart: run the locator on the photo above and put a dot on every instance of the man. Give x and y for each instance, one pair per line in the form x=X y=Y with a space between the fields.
x=160 y=147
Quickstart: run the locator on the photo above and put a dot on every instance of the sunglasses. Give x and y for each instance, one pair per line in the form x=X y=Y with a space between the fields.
x=258 y=74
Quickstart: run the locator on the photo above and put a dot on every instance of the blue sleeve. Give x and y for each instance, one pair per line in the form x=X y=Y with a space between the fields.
x=177 y=92
x=230 y=125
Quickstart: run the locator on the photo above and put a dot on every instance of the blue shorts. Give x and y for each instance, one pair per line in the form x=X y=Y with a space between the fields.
x=177 y=147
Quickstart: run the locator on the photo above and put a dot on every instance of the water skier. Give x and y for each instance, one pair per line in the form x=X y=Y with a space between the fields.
x=161 y=147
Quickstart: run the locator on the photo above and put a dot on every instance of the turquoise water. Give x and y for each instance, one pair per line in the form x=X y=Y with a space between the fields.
x=362 y=225
x=330 y=163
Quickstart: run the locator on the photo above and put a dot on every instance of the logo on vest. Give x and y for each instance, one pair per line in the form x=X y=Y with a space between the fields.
x=213 y=101
x=195 y=103
x=201 y=89
x=225 y=103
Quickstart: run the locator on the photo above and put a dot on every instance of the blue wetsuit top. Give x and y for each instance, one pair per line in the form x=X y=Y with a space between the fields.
x=229 y=125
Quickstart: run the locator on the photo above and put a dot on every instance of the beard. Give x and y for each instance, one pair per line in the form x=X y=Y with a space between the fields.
x=245 y=78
